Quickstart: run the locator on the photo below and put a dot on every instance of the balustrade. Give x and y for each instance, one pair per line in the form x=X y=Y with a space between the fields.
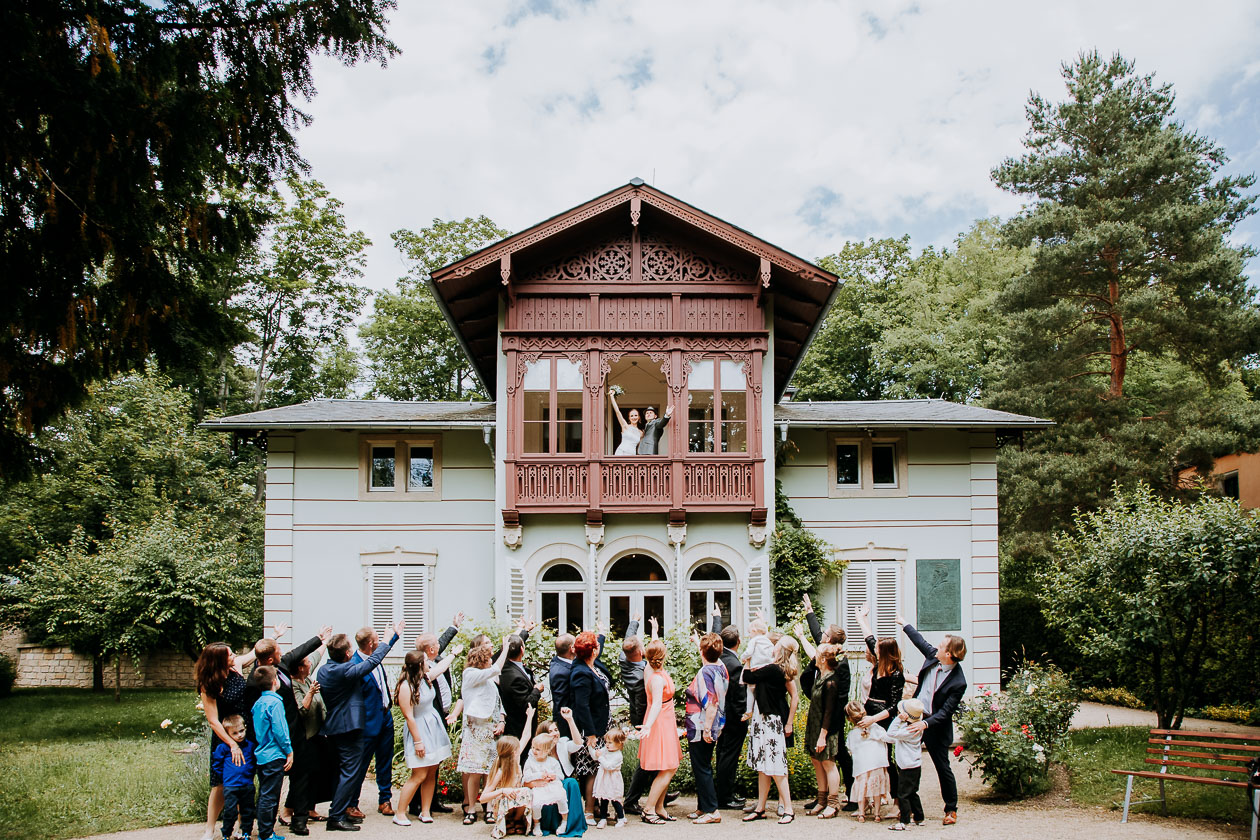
x=636 y=484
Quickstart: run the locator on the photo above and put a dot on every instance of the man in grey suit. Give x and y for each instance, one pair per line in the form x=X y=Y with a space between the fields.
x=653 y=427
x=341 y=683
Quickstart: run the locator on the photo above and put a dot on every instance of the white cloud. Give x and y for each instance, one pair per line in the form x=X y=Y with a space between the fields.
x=809 y=123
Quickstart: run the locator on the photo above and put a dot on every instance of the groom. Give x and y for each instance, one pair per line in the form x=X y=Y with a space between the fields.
x=652 y=428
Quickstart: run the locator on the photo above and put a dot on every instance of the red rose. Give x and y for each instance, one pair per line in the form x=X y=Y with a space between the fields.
x=958 y=751
x=995 y=728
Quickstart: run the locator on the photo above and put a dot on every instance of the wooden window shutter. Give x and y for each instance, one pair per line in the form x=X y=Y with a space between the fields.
x=382 y=583
x=516 y=592
x=756 y=590
x=414 y=605
x=887 y=601
x=855 y=591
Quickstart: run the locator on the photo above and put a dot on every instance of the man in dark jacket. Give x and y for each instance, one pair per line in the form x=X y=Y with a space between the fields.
x=731 y=741
x=844 y=679
x=632 y=665
x=558 y=672
x=266 y=652
x=653 y=428
x=942 y=685
x=341 y=682
x=518 y=690
x=378 y=726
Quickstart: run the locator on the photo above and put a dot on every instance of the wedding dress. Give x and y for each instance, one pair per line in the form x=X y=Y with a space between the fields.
x=630 y=437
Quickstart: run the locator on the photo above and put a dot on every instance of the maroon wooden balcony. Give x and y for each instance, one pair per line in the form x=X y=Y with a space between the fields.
x=640 y=484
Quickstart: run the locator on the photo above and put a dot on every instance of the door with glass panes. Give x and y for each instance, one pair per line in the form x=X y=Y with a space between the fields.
x=637 y=585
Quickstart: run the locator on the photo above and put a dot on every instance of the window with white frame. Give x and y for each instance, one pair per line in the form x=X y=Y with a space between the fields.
x=397 y=591
x=867 y=465
x=710 y=585
x=637 y=585
x=874 y=582
x=562 y=598
x=401 y=468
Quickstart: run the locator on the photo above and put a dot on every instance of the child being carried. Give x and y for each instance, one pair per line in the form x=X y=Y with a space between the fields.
x=758 y=653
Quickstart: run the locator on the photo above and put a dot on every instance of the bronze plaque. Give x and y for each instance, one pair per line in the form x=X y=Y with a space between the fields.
x=939 y=587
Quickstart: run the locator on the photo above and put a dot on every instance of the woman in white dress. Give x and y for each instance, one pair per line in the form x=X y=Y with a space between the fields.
x=631 y=434
x=425 y=741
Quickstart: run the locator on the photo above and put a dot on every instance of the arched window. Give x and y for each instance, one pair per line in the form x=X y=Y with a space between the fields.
x=709 y=586
x=636 y=585
x=562 y=597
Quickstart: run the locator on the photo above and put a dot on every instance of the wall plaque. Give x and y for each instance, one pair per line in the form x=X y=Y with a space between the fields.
x=939 y=587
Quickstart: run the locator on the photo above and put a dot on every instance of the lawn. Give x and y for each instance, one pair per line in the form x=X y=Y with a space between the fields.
x=74 y=763
x=1096 y=752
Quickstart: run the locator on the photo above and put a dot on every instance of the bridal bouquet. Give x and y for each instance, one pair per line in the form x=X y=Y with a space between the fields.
x=616 y=390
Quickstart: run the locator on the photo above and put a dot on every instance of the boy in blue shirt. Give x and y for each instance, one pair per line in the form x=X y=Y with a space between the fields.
x=274 y=753
x=238 y=779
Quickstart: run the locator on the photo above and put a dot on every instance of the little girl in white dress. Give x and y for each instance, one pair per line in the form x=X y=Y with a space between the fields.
x=545 y=778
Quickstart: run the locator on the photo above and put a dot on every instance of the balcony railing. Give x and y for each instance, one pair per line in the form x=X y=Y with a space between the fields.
x=638 y=484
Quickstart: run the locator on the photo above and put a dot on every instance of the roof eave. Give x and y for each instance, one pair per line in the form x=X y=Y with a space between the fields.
x=917 y=424
x=459 y=336
x=809 y=339
x=211 y=426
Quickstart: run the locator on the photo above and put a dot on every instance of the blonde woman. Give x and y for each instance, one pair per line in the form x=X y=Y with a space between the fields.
x=658 y=736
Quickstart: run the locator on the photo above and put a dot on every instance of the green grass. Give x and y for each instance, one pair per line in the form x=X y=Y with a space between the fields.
x=1094 y=753
x=74 y=763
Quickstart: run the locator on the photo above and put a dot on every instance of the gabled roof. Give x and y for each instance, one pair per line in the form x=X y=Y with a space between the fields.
x=385 y=414
x=361 y=414
x=900 y=414
x=468 y=289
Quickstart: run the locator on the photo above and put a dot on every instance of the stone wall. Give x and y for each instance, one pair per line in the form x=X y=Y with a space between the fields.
x=41 y=667
x=9 y=641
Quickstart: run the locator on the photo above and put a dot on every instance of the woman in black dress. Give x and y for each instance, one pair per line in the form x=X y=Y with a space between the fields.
x=222 y=689
x=888 y=684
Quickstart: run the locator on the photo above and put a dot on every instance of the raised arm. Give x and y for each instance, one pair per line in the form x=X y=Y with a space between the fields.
x=450 y=632
x=526 y=733
x=246 y=659
x=715 y=625
x=355 y=670
x=496 y=667
x=815 y=629
x=925 y=647
x=443 y=665
x=291 y=659
x=806 y=643
x=862 y=615
x=617 y=409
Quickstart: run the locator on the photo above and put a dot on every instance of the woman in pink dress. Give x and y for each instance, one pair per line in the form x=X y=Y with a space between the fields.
x=658 y=736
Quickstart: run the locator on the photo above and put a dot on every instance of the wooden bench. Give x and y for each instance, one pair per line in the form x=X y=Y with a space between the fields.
x=1222 y=752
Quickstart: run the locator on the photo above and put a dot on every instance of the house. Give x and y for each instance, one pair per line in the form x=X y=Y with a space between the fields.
x=381 y=509
x=1235 y=476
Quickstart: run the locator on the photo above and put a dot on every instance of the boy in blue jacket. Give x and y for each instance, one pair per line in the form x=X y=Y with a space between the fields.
x=238 y=780
x=274 y=753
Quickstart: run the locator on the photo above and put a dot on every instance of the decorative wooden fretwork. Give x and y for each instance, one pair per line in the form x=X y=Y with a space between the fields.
x=633 y=343
x=612 y=261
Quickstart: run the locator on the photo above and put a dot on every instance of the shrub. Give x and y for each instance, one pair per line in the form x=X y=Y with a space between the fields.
x=1042 y=697
x=8 y=675
x=1229 y=713
x=1113 y=697
x=1013 y=737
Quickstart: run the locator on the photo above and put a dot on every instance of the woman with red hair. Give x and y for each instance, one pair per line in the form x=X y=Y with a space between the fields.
x=658 y=736
x=588 y=684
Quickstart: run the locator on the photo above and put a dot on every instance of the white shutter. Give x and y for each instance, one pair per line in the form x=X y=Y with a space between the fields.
x=756 y=591
x=887 y=601
x=855 y=591
x=415 y=601
x=516 y=592
x=382 y=583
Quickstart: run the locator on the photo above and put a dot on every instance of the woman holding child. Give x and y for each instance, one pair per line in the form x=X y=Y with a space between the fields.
x=777 y=697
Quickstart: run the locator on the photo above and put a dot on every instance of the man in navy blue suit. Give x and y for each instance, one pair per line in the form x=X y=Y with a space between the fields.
x=341 y=683
x=942 y=685
x=378 y=726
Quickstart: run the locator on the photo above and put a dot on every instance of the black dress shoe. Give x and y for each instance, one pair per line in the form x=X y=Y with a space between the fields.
x=340 y=825
x=670 y=797
x=298 y=826
x=441 y=808
x=850 y=806
x=352 y=820
x=633 y=808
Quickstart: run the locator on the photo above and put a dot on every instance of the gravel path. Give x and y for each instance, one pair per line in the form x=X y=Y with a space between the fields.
x=1046 y=817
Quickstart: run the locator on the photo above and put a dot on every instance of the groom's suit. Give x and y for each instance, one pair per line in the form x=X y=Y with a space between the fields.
x=648 y=444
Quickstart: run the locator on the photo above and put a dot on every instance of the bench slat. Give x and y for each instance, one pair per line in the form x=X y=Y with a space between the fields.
x=1197 y=765
x=1235 y=735
x=1187 y=754
x=1246 y=747
x=1173 y=777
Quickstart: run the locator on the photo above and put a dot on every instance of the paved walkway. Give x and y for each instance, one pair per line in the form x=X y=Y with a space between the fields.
x=1046 y=818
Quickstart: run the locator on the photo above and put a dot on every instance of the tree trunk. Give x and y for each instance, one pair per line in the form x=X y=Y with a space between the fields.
x=98 y=674
x=117 y=678
x=1119 y=353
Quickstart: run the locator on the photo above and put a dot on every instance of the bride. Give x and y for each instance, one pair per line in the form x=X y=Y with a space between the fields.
x=630 y=431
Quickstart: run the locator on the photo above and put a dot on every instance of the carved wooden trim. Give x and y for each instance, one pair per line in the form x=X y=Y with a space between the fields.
x=636 y=210
x=634 y=343
x=522 y=361
x=612 y=261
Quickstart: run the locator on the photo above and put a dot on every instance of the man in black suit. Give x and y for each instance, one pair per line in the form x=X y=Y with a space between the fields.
x=518 y=690
x=653 y=427
x=731 y=741
x=558 y=673
x=844 y=677
x=267 y=653
x=632 y=665
x=941 y=687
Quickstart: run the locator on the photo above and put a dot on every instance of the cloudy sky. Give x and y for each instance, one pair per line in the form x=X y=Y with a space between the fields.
x=808 y=123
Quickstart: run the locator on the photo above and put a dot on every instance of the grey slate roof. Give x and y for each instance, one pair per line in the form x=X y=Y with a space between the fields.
x=372 y=414
x=901 y=414
x=360 y=414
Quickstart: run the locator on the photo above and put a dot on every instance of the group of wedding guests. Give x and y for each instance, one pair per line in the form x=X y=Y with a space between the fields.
x=324 y=726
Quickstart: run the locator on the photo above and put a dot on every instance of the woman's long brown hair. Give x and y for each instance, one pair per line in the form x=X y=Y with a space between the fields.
x=213 y=668
x=889 y=657
x=413 y=671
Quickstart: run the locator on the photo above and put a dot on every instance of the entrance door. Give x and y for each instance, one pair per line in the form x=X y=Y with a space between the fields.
x=637 y=585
